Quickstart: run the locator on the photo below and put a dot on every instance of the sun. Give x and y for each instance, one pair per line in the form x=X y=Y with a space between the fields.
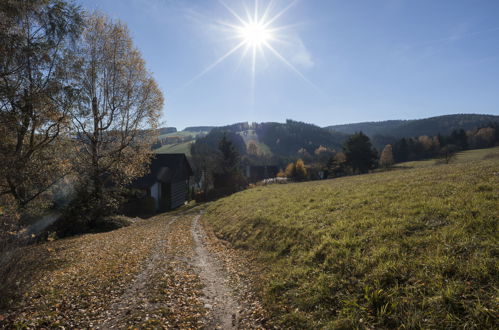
x=255 y=34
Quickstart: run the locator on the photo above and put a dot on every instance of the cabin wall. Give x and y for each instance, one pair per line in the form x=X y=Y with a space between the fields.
x=179 y=191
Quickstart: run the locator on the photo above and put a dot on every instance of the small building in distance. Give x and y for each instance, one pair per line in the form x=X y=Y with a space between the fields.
x=255 y=173
x=164 y=188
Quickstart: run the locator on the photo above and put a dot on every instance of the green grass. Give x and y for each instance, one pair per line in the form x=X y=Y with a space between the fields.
x=411 y=248
x=182 y=134
x=184 y=148
x=461 y=157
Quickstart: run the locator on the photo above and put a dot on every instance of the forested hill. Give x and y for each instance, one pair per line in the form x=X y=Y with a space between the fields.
x=410 y=128
x=293 y=138
x=283 y=139
x=290 y=137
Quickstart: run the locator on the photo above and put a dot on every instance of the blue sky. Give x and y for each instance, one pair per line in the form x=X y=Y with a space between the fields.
x=342 y=61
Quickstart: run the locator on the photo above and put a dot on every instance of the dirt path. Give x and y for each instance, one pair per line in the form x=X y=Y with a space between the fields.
x=165 y=272
x=219 y=299
x=134 y=298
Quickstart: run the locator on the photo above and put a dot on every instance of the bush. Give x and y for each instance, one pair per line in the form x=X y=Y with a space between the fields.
x=111 y=223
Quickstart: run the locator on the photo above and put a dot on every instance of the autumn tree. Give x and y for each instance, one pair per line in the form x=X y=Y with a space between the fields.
x=300 y=170
x=118 y=107
x=359 y=152
x=36 y=94
x=289 y=171
x=296 y=170
x=386 y=158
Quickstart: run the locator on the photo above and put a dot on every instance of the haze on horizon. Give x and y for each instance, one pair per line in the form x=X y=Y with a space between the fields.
x=329 y=62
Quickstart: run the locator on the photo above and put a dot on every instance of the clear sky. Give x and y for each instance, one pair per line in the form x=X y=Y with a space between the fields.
x=329 y=61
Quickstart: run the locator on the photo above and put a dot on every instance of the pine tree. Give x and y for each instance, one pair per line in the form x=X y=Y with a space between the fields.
x=360 y=154
x=230 y=156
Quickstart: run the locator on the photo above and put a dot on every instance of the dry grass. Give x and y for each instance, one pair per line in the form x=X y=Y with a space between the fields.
x=412 y=248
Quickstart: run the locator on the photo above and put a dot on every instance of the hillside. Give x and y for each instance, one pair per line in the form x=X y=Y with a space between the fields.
x=409 y=248
x=278 y=139
x=285 y=139
x=410 y=128
x=175 y=148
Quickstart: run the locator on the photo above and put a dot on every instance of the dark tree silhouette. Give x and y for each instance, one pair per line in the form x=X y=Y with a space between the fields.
x=228 y=175
x=359 y=152
x=230 y=156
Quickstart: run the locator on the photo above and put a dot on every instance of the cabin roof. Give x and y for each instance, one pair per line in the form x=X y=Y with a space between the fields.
x=165 y=168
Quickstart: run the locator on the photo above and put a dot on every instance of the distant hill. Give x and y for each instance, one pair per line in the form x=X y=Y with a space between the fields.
x=279 y=139
x=167 y=130
x=285 y=139
x=199 y=128
x=417 y=127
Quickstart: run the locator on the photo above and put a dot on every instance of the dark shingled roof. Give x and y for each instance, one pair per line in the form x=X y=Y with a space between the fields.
x=163 y=168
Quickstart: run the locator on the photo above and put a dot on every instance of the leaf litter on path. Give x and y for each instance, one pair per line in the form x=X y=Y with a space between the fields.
x=147 y=275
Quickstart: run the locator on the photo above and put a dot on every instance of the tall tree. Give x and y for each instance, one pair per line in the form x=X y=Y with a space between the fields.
x=205 y=160
x=36 y=94
x=336 y=165
x=230 y=156
x=360 y=155
x=401 y=150
x=228 y=174
x=118 y=108
x=386 y=158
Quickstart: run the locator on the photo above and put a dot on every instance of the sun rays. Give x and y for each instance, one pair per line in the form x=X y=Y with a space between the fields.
x=255 y=34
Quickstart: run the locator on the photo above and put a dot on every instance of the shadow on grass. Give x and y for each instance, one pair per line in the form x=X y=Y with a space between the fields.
x=21 y=267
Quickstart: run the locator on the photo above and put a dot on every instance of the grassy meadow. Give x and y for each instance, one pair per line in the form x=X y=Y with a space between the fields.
x=184 y=148
x=415 y=247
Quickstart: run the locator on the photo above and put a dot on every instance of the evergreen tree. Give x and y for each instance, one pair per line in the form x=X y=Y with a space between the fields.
x=359 y=152
x=230 y=156
x=336 y=165
x=401 y=151
x=228 y=175
x=459 y=139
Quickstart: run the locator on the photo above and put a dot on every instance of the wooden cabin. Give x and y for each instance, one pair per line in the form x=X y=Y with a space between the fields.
x=165 y=187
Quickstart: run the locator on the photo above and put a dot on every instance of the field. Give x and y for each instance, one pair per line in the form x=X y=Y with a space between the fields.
x=181 y=134
x=184 y=148
x=461 y=157
x=414 y=247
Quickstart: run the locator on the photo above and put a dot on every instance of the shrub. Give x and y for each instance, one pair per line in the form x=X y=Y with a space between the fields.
x=111 y=223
